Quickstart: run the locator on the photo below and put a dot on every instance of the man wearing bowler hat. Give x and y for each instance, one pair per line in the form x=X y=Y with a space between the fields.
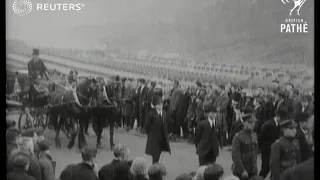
x=36 y=67
x=157 y=131
x=285 y=151
x=206 y=137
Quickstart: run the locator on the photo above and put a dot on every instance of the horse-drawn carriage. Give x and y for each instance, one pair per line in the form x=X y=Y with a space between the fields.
x=43 y=102
x=30 y=99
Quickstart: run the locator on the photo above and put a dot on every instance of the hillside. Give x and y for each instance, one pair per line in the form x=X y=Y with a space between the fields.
x=216 y=30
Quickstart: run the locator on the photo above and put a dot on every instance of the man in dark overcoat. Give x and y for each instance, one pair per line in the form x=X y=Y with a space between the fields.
x=304 y=136
x=182 y=110
x=221 y=104
x=127 y=109
x=268 y=134
x=156 y=129
x=142 y=97
x=206 y=137
x=36 y=67
x=259 y=113
x=174 y=102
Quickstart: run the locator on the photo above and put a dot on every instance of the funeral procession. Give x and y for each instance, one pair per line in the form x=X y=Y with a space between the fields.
x=156 y=90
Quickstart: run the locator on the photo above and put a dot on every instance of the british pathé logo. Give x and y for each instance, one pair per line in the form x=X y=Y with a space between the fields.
x=297 y=5
x=24 y=7
x=294 y=25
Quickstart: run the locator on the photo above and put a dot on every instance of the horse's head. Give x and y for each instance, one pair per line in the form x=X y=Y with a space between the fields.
x=87 y=86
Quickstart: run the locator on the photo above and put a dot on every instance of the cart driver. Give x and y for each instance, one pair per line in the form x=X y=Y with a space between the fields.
x=36 y=67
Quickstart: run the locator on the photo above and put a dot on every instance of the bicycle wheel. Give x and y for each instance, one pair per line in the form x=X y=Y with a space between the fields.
x=25 y=121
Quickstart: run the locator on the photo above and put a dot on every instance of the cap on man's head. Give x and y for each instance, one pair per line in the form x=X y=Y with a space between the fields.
x=88 y=153
x=198 y=83
x=282 y=112
x=117 y=78
x=143 y=81
x=157 y=100
x=288 y=124
x=295 y=91
x=123 y=79
x=247 y=113
x=281 y=94
x=236 y=96
x=44 y=145
x=213 y=171
x=209 y=107
x=21 y=160
x=35 y=51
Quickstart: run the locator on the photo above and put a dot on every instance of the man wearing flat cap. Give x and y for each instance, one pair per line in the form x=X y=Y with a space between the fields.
x=245 y=148
x=36 y=67
x=46 y=162
x=304 y=136
x=86 y=170
x=285 y=151
x=157 y=130
x=206 y=137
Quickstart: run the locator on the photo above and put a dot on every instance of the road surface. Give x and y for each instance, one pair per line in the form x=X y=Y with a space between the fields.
x=182 y=159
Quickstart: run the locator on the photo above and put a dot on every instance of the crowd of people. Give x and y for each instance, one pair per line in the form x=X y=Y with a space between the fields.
x=185 y=105
x=275 y=122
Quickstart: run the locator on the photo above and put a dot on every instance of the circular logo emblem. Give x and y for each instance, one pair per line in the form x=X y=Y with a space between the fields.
x=22 y=7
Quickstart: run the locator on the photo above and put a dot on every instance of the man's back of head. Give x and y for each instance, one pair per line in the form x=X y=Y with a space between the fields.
x=213 y=172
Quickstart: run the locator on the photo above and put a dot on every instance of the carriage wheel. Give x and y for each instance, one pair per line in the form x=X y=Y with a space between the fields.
x=25 y=121
x=40 y=121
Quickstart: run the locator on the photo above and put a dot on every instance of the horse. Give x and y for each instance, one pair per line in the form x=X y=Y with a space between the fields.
x=105 y=111
x=72 y=107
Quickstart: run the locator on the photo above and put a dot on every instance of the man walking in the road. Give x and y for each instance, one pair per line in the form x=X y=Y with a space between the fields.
x=157 y=131
x=245 y=148
x=206 y=138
